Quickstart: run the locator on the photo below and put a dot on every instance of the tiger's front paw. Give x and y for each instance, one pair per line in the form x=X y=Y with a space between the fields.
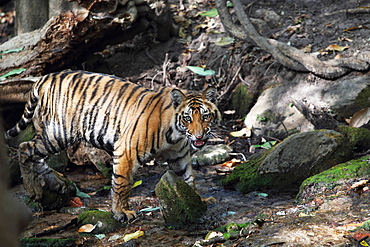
x=124 y=216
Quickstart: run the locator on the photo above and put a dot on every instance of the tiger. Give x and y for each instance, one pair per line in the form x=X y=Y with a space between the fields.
x=129 y=121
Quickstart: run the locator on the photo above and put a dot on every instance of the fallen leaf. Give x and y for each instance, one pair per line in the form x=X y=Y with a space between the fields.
x=87 y=228
x=232 y=163
x=211 y=235
x=210 y=13
x=50 y=228
x=360 y=118
x=100 y=236
x=149 y=209
x=355 y=28
x=134 y=235
x=201 y=71
x=137 y=183
x=11 y=73
x=224 y=41
x=336 y=48
x=75 y=202
x=243 y=132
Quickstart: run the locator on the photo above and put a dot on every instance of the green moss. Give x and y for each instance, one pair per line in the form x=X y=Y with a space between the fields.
x=103 y=220
x=329 y=179
x=47 y=242
x=246 y=178
x=349 y=170
x=358 y=139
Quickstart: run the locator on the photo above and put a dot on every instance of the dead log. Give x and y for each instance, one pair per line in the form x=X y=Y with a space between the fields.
x=73 y=34
x=67 y=37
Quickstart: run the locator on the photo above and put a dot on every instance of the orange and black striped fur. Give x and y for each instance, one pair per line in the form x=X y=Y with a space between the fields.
x=128 y=120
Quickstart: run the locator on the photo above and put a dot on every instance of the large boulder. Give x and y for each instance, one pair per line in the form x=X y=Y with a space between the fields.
x=279 y=109
x=298 y=157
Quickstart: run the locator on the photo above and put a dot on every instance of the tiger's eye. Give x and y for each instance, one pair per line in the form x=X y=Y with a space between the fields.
x=206 y=116
x=187 y=119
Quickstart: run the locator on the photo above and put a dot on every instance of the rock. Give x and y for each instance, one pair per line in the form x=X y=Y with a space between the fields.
x=103 y=221
x=211 y=155
x=275 y=113
x=180 y=204
x=338 y=178
x=52 y=199
x=286 y=165
x=241 y=100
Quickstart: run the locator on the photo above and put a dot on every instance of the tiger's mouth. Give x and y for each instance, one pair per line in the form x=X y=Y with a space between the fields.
x=198 y=143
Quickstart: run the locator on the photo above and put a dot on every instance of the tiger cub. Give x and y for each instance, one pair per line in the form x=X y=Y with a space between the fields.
x=125 y=119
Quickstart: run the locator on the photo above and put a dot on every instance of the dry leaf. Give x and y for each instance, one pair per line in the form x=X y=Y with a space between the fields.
x=75 y=202
x=355 y=28
x=232 y=163
x=336 y=48
x=134 y=235
x=87 y=228
x=243 y=132
x=360 y=118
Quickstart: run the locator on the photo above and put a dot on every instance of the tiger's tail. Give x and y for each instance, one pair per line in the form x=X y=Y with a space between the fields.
x=26 y=119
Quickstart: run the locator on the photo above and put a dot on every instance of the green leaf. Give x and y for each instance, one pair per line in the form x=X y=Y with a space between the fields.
x=150 y=209
x=100 y=236
x=137 y=183
x=262 y=194
x=201 y=71
x=11 y=50
x=225 y=41
x=266 y=145
x=81 y=194
x=210 y=13
x=11 y=73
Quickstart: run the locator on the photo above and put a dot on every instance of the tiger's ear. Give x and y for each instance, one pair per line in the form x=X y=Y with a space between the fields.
x=177 y=97
x=211 y=94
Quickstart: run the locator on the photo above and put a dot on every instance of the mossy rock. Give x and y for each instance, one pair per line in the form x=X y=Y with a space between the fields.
x=245 y=177
x=180 y=204
x=337 y=177
x=52 y=199
x=47 y=242
x=288 y=164
x=358 y=138
x=103 y=220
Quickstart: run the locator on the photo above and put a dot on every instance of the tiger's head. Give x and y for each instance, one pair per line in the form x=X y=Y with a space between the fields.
x=196 y=115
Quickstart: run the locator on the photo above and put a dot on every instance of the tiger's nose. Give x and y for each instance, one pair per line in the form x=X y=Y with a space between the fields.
x=199 y=136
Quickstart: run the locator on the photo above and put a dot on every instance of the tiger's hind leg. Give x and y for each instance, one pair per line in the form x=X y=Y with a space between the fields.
x=122 y=179
x=37 y=175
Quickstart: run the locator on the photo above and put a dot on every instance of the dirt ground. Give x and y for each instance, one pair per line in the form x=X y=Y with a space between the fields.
x=314 y=24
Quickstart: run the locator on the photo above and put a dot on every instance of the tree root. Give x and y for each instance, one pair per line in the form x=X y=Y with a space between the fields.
x=289 y=56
